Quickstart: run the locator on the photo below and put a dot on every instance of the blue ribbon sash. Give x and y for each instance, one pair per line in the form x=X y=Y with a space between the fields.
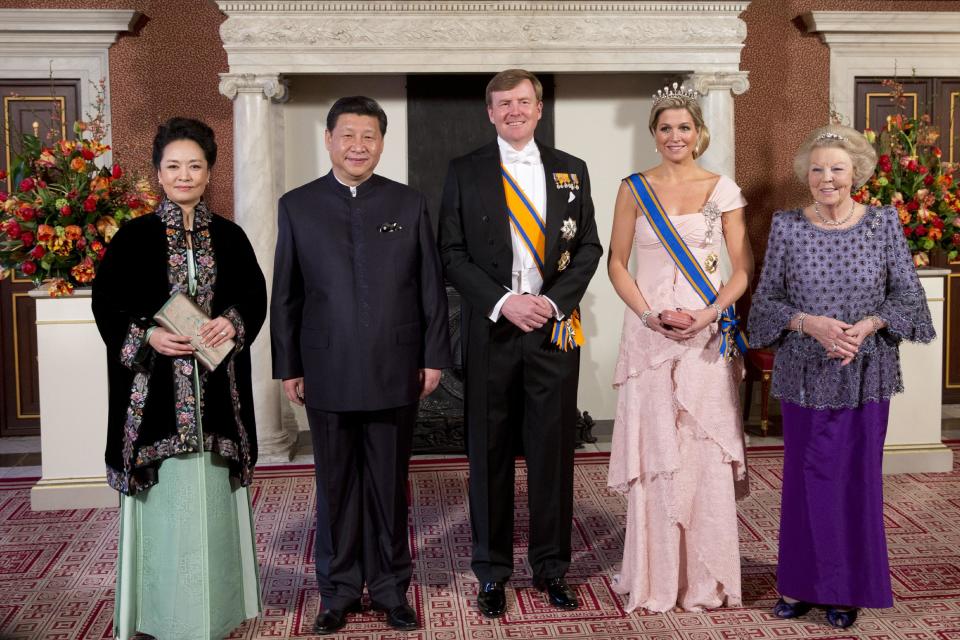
x=732 y=339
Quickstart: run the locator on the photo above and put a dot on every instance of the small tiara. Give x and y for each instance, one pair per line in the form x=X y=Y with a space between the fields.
x=677 y=91
x=829 y=135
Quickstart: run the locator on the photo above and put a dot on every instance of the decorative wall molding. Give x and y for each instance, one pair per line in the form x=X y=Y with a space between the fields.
x=64 y=43
x=885 y=44
x=498 y=6
x=395 y=37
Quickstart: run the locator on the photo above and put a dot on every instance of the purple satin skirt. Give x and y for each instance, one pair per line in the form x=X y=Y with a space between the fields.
x=833 y=550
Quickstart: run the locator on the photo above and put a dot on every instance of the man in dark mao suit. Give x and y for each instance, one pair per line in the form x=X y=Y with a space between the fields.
x=359 y=334
x=513 y=297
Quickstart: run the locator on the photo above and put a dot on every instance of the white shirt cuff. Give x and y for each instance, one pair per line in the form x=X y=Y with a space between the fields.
x=556 y=310
x=495 y=314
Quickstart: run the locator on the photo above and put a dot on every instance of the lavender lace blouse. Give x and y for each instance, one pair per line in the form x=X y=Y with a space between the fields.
x=845 y=274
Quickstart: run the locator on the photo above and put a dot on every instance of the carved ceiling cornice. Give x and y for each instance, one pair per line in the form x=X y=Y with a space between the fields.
x=322 y=37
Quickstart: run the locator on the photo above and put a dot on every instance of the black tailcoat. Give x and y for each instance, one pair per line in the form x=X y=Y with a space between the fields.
x=516 y=382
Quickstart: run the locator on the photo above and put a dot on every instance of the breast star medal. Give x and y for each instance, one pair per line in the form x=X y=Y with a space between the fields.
x=568 y=232
x=710 y=264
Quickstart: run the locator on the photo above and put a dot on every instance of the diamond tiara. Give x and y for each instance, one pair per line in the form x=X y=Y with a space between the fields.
x=829 y=135
x=677 y=91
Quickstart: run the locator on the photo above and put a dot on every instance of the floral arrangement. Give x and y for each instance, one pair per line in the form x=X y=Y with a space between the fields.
x=911 y=176
x=63 y=208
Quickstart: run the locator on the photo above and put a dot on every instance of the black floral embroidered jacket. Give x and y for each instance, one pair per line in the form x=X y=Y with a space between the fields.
x=152 y=404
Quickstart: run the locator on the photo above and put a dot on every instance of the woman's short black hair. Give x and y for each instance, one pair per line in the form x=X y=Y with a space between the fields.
x=357 y=105
x=184 y=129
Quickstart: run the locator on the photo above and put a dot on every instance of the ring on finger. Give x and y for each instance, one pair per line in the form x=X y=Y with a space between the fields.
x=833 y=347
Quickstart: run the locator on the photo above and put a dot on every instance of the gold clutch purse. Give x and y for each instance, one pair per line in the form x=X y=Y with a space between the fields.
x=182 y=316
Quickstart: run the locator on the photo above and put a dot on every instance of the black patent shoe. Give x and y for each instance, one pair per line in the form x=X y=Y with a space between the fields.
x=558 y=591
x=841 y=618
x=787 y=610
x=492 y=599
x=402 y=617
x=332 y=620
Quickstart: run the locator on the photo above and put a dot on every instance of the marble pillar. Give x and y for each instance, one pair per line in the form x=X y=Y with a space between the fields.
x=257 y=173
x=717 y=90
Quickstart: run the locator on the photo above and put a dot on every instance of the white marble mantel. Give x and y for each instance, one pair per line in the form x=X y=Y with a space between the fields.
x=697 y=41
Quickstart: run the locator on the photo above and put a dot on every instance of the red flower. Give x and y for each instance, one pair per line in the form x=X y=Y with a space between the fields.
x=90 y=204
x=955 y=239
x=913 y=205
x=3 y=196
x=37 y=252
x=3 y=174
x=937 y=222
x=81 y=243
x=27 y=213
x=27 y=184
x=28 y=268
x=117 y=172
x=27 y=238
x=87 y=154
x=13 y=229
x=907 y=231
x=885 y=164
x=937 y=152
x=66 y=211
x=920 y=231
x=928 y=180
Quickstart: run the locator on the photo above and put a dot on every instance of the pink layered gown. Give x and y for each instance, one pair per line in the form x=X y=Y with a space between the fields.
x=678 y=451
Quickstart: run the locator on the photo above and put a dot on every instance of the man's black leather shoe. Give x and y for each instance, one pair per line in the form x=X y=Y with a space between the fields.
x=402 y=617
x=492 y=600
x=332 y=620
x=559 y=592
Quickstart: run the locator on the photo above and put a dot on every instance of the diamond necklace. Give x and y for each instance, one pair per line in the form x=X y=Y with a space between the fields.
x=828 y=221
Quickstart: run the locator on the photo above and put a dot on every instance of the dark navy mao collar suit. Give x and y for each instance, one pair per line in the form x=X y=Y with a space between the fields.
x=358 y=308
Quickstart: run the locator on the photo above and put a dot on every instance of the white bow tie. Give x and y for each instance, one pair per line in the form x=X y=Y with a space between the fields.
x=529 y=155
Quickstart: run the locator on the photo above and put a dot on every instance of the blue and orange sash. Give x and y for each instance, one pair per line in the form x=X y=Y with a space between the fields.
x=532 y=229
x=732 y=339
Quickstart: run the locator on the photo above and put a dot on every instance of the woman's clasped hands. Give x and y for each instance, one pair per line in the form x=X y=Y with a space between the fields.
x=212 y=334
x=841 y=340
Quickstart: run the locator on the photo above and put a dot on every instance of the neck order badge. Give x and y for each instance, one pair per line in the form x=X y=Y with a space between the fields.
x=732 y=339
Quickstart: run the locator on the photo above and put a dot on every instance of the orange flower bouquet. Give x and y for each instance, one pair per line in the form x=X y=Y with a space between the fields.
x=63 y=208
x=912 y=177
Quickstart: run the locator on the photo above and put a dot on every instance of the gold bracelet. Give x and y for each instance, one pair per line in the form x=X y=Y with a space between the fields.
x=877 y=323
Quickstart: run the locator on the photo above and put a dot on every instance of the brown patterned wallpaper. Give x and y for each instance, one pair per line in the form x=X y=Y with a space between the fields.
x=789 y=96
x=167 y=67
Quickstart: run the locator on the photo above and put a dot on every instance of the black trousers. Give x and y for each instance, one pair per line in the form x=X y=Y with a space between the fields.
x=361 y=461
x=519 y=387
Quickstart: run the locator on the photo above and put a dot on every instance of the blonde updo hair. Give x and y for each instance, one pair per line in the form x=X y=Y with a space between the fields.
x=693 y=108
x=862 y=154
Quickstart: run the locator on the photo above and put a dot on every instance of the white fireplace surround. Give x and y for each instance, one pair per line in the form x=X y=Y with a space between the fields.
x=699 y=42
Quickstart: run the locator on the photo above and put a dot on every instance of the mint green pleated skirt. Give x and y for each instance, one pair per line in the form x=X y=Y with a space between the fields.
x=186 y=567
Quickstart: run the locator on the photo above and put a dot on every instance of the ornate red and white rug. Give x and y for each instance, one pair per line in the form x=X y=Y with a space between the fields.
x=57 y=568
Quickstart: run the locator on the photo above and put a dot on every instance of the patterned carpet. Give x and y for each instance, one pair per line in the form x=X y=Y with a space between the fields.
x=56 y=568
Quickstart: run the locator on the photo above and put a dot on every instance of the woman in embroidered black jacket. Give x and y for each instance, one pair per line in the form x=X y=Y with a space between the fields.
x=181 y=441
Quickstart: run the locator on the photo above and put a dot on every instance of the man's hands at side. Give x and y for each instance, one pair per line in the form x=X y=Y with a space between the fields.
x=527 y=312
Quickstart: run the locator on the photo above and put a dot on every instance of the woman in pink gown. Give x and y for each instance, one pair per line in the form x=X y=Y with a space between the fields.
x=678 y=451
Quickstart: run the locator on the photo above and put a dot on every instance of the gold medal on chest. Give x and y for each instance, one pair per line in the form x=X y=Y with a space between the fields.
x=564 y=261
x=711 y=263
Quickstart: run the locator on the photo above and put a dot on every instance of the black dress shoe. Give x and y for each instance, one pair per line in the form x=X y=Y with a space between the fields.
x=841 y=618
x=332 y=620
x=402 y=617
x=559 y=592
x=788 y=610
x=492 y=600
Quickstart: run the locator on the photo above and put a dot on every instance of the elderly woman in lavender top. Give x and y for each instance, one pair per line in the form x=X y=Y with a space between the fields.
x=837 y=294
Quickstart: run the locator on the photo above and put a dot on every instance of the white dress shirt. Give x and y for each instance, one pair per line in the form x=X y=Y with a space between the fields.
x=526 y=167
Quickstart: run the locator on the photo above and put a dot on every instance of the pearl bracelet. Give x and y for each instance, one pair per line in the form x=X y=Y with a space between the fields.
x=800 y=322
x=643 y=317
x=719 y=311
